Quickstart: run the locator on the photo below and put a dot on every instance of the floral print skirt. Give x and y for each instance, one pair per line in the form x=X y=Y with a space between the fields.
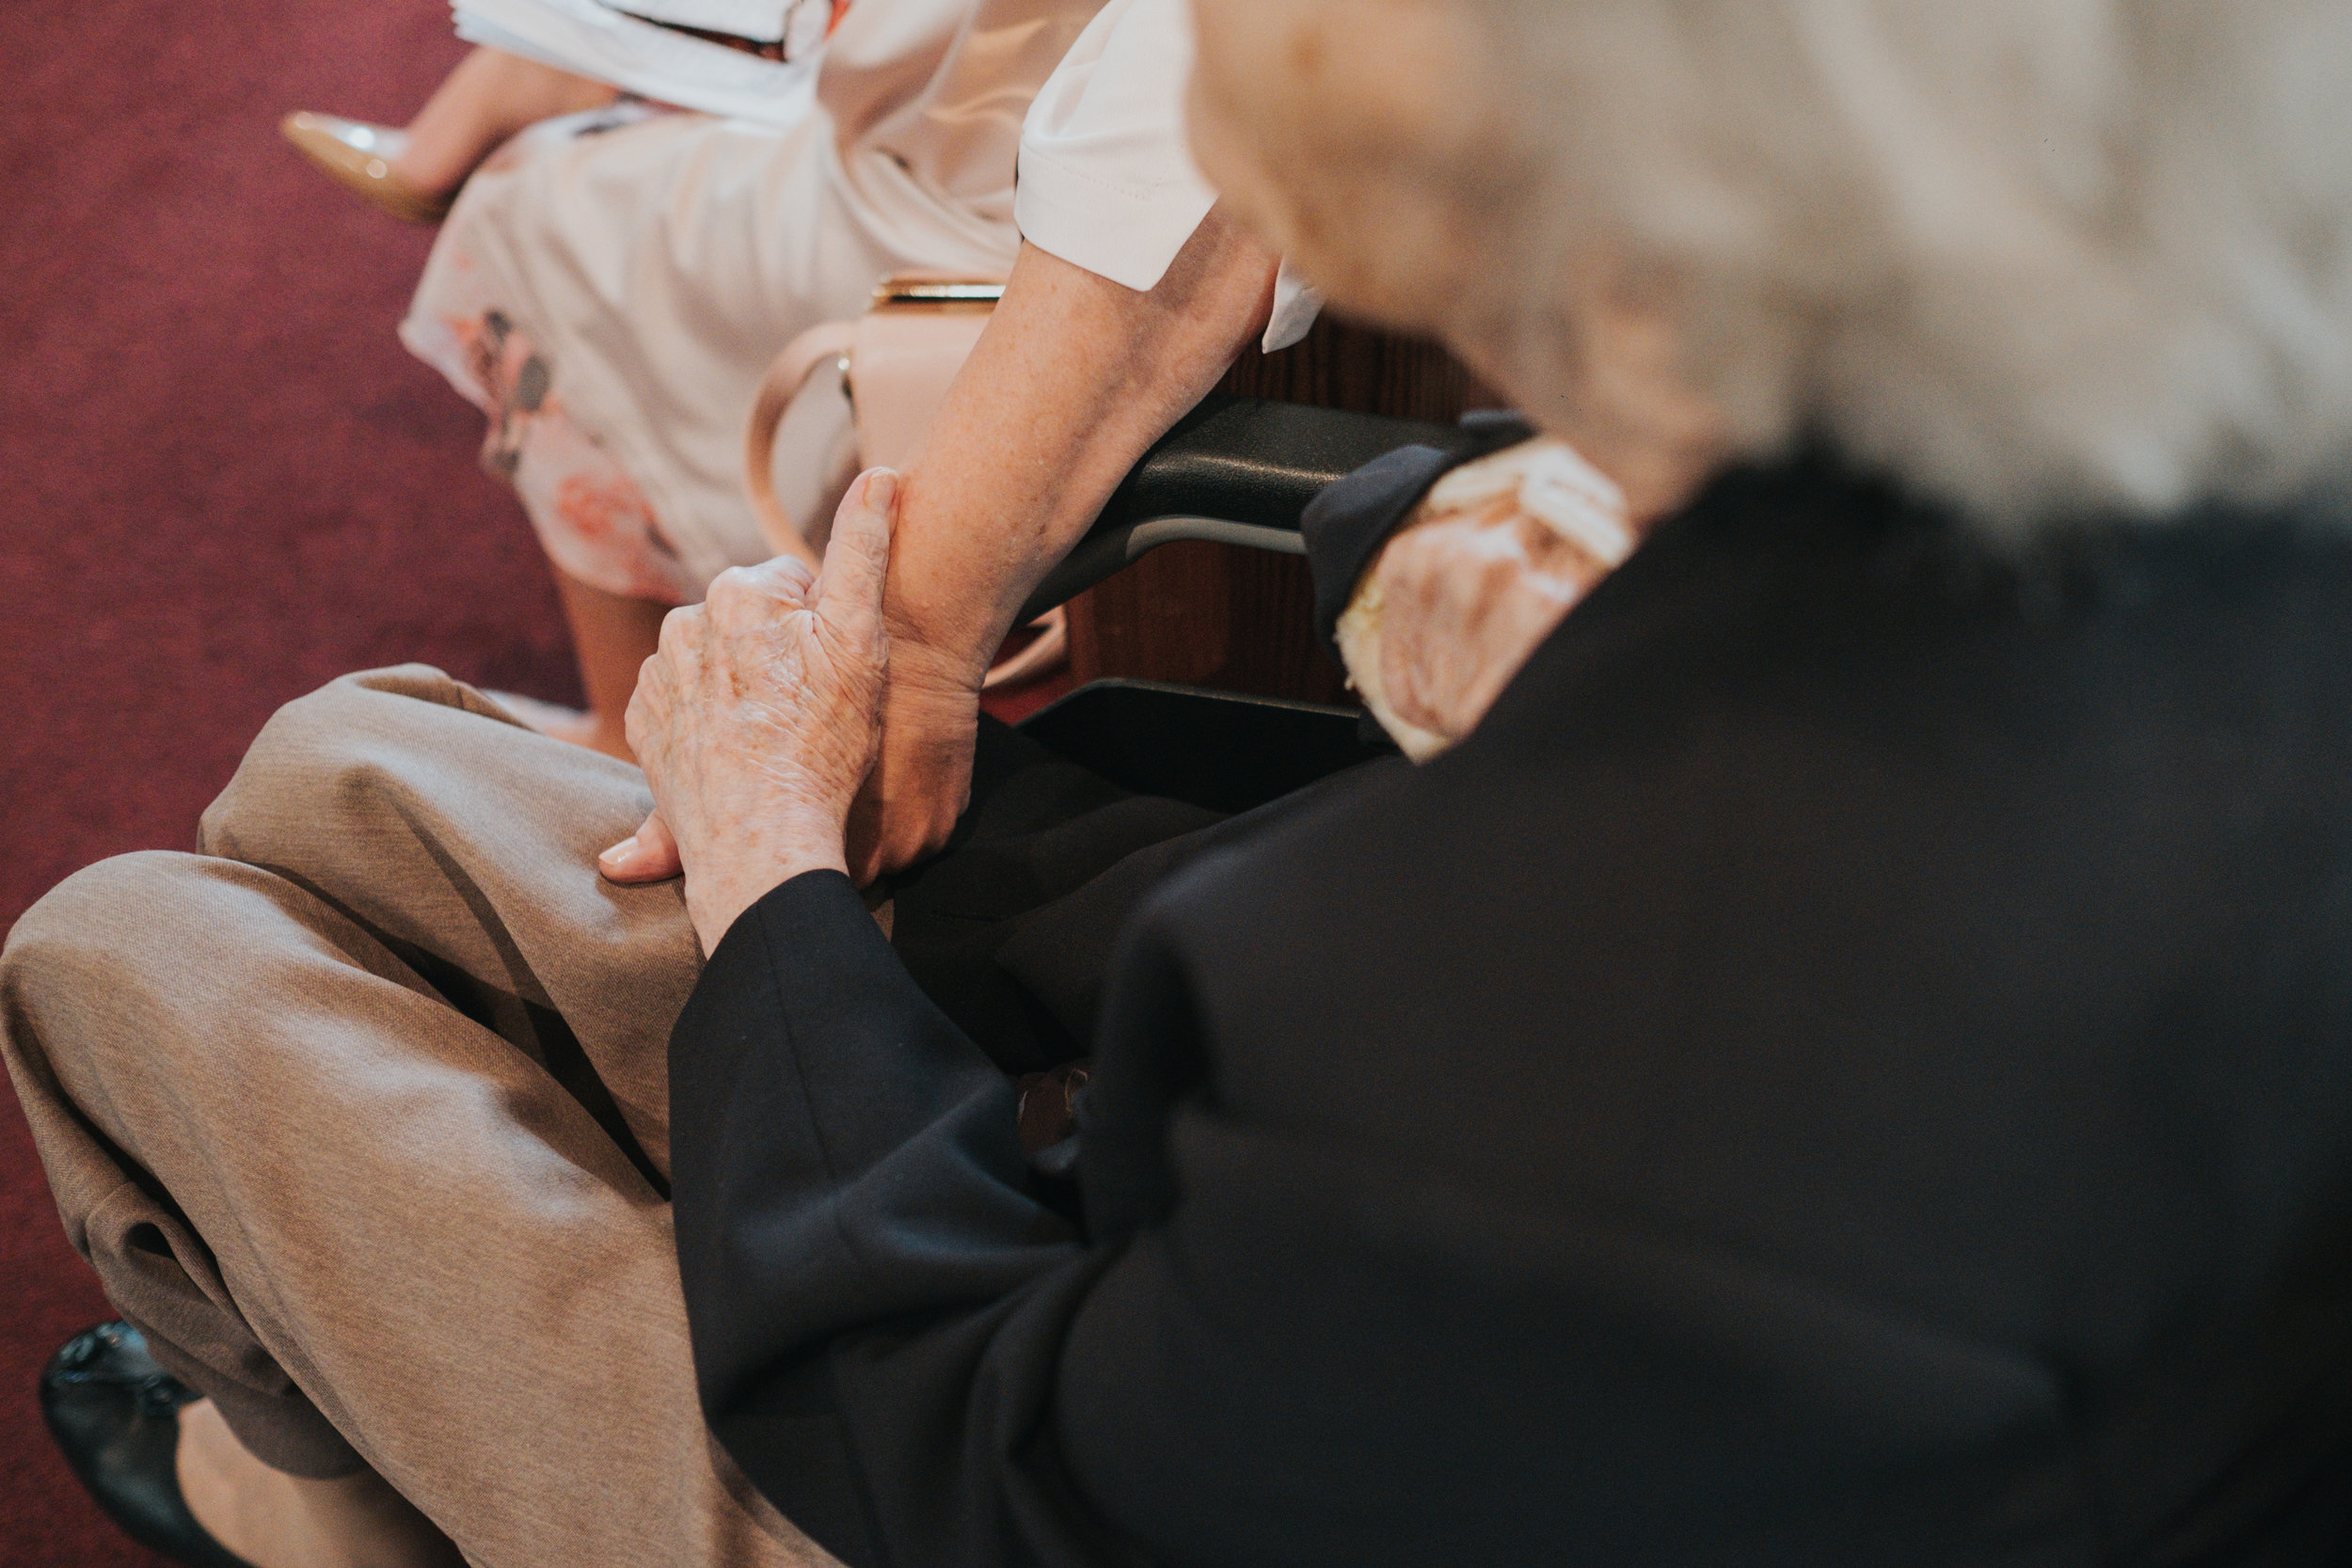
x=609 y=291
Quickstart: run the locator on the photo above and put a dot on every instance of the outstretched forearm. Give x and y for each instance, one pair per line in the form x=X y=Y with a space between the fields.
x=1075 y=378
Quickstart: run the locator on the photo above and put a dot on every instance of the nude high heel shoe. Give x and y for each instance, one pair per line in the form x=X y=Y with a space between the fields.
x=357 y=156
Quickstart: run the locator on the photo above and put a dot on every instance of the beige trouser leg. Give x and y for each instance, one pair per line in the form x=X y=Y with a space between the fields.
x=302 y=1100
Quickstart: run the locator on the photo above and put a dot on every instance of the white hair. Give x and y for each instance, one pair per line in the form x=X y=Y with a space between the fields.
x=2032 y=257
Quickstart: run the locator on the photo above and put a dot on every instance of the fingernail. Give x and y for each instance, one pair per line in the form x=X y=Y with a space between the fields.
x=882 y=488
x=622 y=850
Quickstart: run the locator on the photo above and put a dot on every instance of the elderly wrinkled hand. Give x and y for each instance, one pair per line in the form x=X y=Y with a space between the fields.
x=759 y=719
x=1491 y=560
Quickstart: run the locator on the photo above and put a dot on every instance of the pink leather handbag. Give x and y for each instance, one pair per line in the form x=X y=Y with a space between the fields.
x=895 y=363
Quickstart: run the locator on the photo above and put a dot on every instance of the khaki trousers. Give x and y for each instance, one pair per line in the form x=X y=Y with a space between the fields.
x=342 y=1107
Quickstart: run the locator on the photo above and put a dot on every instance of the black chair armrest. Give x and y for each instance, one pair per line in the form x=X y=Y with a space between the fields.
x=1237 y=470
x=1217 y=750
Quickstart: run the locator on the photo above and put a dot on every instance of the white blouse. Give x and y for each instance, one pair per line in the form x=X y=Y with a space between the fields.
x=1106 y=180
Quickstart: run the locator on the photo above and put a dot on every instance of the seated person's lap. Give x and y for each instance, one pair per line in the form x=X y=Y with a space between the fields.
x=361 y=1113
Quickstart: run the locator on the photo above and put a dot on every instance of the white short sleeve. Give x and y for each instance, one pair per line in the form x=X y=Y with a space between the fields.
x=1105 y=181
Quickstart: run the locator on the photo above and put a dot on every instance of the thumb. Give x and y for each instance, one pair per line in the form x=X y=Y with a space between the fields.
x=857 y=557
x=649 y=855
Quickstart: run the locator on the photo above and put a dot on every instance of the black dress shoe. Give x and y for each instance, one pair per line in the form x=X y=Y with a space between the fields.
x=116 y=1415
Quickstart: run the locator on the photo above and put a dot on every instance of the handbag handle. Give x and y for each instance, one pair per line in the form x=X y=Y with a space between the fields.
x=777 y=388
x=916 y=370
x=897 y=298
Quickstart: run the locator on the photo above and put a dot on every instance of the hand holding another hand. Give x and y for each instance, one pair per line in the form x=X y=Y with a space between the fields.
x=759 y=719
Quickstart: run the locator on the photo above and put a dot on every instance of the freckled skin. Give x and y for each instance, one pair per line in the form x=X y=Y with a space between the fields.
x=759 y=719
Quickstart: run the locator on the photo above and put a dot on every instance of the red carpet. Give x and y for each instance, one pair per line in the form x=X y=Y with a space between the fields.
x=224 y=483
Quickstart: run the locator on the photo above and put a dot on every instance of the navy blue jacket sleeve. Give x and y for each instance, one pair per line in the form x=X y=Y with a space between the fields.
x=1348 y=523
x=877 y=1301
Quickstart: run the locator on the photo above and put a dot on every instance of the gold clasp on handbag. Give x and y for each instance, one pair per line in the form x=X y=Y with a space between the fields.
x=912 y=289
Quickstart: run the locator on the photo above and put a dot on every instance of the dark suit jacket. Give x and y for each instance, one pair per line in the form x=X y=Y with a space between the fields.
x=1850 y=1064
